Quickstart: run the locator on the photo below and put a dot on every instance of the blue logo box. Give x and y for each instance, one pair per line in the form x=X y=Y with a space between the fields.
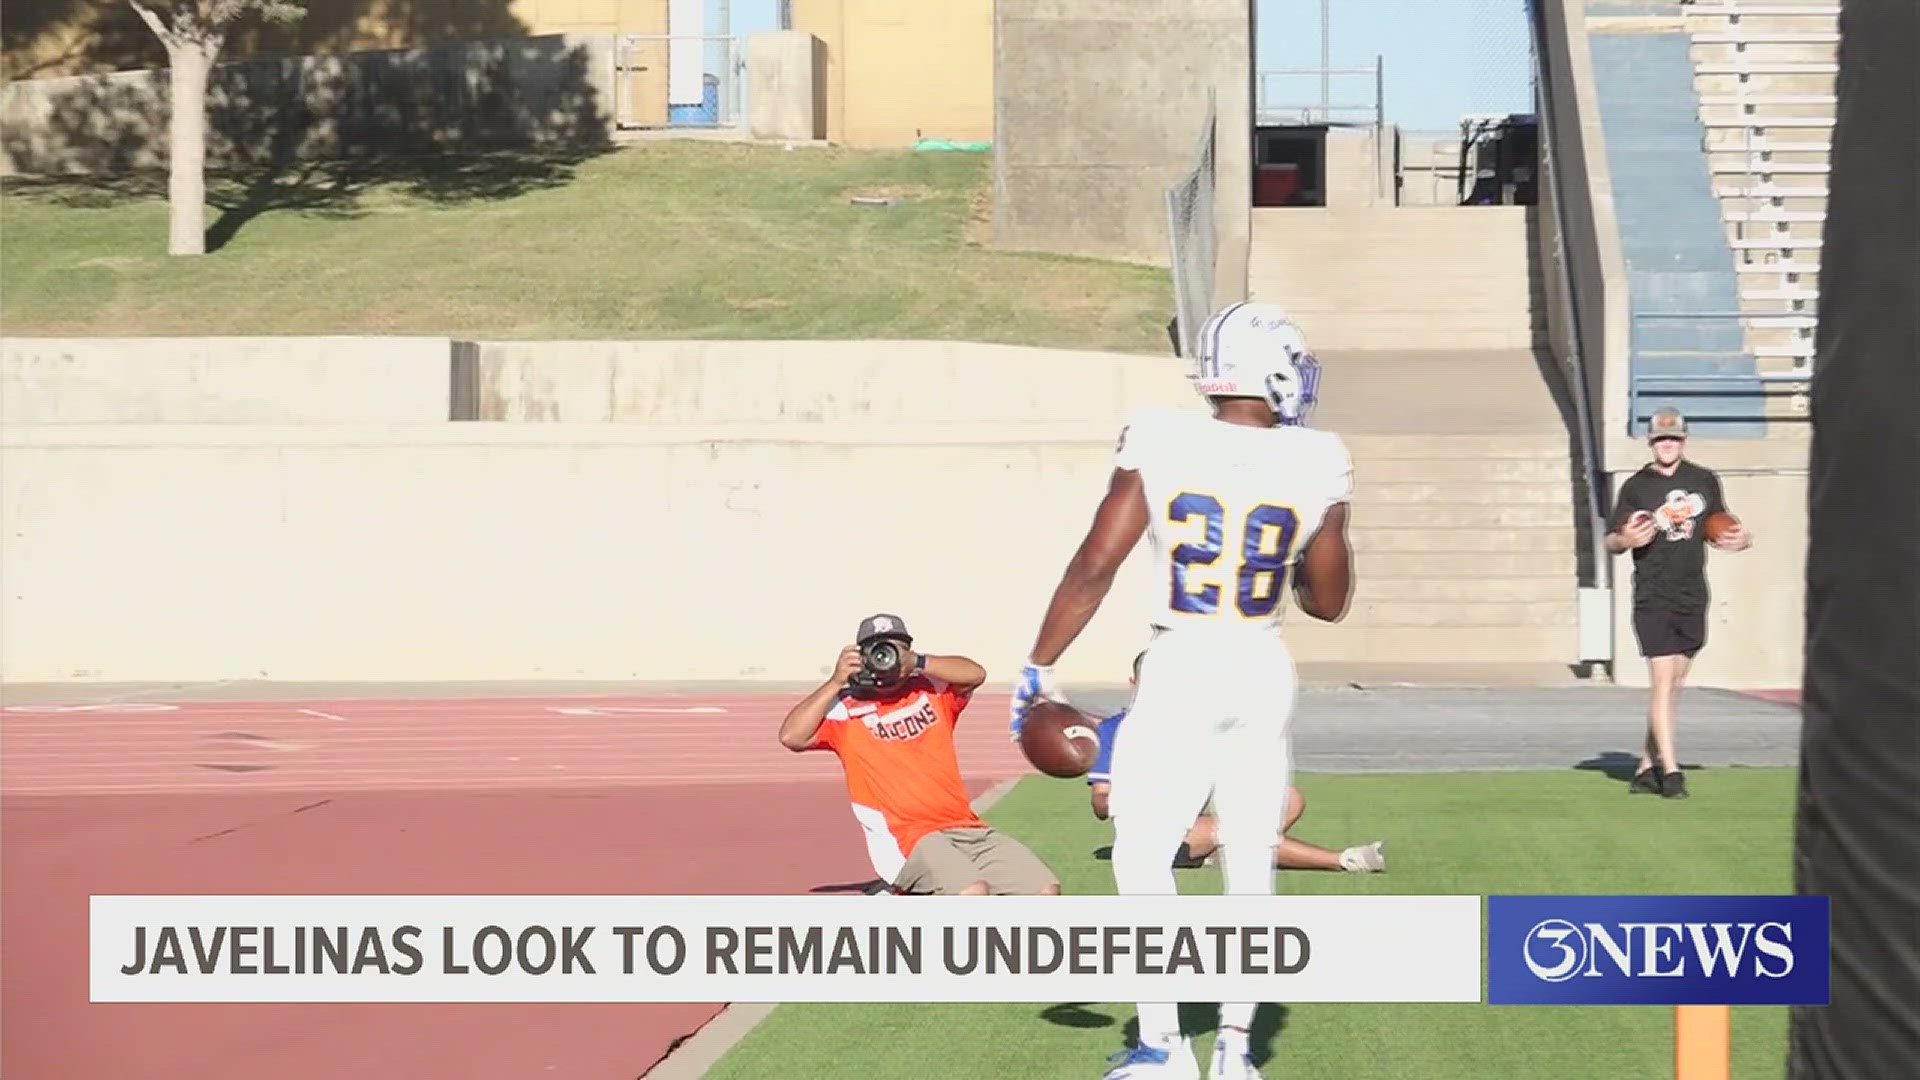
x=1657 y=950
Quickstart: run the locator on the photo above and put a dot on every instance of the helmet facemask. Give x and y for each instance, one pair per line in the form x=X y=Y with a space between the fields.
x=1292 y=391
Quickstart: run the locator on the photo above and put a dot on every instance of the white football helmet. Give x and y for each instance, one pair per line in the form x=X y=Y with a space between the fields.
x=1255 y=350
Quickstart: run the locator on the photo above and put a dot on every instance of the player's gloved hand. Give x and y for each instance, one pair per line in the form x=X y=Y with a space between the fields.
x=1035 y=683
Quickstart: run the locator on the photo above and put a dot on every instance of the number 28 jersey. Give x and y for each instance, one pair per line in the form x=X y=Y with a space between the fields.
x=1229 y=509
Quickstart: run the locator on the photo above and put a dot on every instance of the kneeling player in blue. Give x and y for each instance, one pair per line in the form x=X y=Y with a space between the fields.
x=1203 y=839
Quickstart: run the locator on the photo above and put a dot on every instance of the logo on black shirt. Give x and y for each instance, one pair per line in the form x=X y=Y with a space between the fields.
x=1675 y=518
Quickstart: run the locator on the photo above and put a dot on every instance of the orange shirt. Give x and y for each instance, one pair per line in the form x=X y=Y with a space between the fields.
x=903 y=775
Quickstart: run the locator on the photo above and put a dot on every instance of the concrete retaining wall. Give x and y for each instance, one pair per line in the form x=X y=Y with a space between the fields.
x=551 y=551
x=1577 y=153
x=239 y=380
x=301 y=508
x=624 y=551
x=786 y=72
x=345 y=380
x=555 y=89
x=935 y=382
x=1099 y=105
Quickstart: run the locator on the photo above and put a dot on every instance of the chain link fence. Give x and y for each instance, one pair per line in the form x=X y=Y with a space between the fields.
x=1495 y=78
x=1190 y=240
x=1500 y=77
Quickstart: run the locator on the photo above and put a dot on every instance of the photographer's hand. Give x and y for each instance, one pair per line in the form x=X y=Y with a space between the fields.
x=802 y=723
x=847 y=666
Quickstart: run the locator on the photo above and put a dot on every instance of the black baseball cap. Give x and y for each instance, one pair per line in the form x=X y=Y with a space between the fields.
x=874 y=627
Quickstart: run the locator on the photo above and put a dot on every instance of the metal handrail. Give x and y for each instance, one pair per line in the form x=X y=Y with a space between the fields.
x=1375 y=114
x=1588 y=435
x=1375 y=111
x=1721 y=314
x=1762 y=377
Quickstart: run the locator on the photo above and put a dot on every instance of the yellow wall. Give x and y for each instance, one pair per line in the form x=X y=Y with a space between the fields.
x=46 y=38
x=898 y=71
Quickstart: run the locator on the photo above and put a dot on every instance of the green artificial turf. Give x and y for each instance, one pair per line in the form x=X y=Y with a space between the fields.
x=1474 y=833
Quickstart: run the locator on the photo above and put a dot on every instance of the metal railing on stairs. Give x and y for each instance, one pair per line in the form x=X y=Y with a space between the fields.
x=1273 y=107
x=1596 y=580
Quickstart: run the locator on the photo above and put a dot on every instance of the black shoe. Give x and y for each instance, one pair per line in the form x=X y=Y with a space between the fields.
x=1674 y=785
x=1645 y=782
x=1185 y=859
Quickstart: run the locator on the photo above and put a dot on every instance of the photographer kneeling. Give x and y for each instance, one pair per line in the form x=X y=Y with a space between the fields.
x=888 y=714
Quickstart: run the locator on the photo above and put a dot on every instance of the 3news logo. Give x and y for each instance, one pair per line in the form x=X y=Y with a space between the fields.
x=1657 y=950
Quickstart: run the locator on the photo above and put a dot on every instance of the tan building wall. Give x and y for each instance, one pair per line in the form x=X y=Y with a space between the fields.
x=47 y=38
x=897 y=72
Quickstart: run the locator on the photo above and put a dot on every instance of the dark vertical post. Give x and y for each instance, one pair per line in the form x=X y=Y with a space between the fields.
x=1857 y=837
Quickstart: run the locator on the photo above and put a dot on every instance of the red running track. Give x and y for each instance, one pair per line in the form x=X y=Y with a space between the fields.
x=660 y=794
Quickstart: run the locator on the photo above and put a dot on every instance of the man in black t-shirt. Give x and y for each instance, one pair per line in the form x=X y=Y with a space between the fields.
x=1660 y=516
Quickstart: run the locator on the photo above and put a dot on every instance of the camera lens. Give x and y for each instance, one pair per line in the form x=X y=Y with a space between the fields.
x=884 y=656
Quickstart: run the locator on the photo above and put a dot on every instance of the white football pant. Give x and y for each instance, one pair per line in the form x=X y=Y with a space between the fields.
x=1211 y=715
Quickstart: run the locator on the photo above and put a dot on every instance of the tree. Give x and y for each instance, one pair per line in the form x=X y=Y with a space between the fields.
x=193 y=32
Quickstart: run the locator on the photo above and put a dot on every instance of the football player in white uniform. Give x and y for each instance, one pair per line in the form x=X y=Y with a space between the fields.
x=1235 y=504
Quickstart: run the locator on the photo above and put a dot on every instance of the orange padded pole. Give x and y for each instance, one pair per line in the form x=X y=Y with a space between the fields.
x=1702 y=1042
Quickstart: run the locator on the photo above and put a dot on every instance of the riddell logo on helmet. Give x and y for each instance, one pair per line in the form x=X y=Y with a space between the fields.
x=1214 y=386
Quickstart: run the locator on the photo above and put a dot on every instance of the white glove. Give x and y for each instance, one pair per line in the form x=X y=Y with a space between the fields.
x=1036 y=683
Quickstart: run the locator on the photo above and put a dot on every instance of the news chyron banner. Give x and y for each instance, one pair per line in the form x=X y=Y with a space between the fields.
x=1657 y=950
x=784 y=948
x=1539 y=950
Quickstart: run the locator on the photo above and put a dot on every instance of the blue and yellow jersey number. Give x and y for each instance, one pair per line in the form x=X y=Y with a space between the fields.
x=1263 y=536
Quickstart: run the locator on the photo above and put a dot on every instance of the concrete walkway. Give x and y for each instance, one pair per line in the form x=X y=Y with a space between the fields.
x=1438 y=729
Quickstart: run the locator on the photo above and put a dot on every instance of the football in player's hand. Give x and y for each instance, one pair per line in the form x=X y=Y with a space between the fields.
x=1059 y=740
x=1718 y=525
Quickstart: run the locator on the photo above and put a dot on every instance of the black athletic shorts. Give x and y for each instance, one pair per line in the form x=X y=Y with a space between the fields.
x=1665 y=632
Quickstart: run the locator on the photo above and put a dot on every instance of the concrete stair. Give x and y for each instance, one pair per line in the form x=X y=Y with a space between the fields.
x=1765 y=73
x=1464 y=549
x=1425 y=319
x=1390 y=277
x=1443 y=389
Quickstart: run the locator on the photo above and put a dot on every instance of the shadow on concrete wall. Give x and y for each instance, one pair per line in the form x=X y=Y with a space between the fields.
x=42 y=38
x=1545 y=292
x=483 y=120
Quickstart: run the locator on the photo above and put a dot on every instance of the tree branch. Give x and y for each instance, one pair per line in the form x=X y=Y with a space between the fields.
x=154 y=23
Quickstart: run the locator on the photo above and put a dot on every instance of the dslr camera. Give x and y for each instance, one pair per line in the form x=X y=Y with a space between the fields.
x=879 y=664
x=883 y=641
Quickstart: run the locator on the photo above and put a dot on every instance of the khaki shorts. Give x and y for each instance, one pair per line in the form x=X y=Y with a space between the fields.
x=945 y=862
